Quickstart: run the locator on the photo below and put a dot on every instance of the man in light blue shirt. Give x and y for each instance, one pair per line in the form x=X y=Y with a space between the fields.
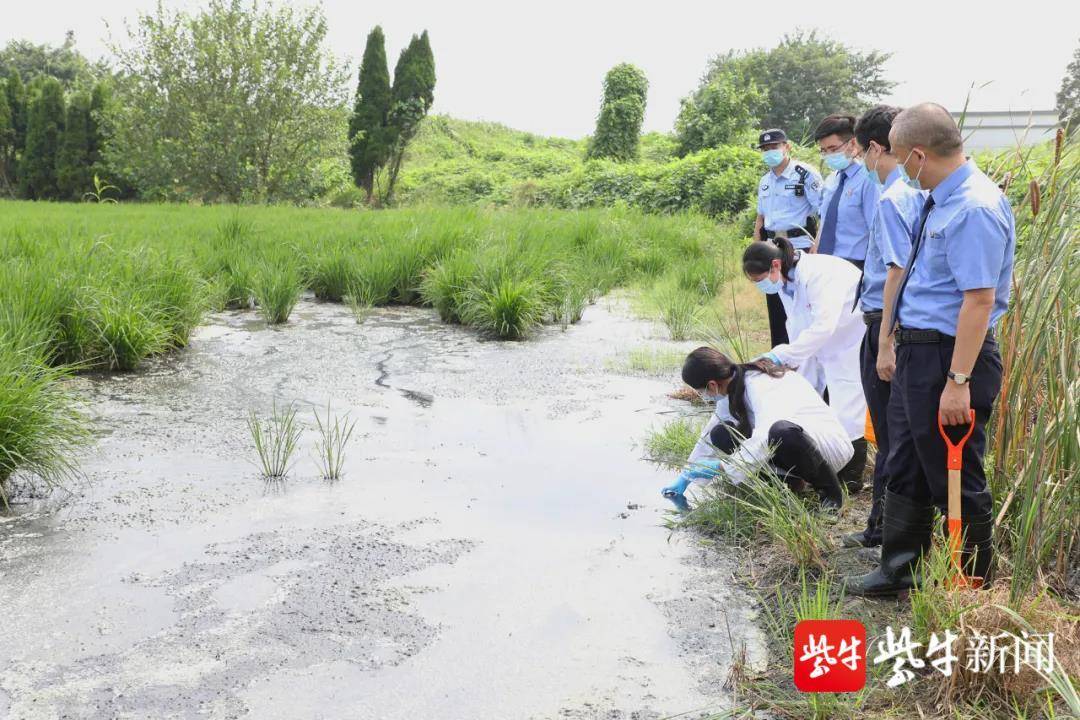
x=954 y=289
x=787 y=206
x=886 y=255
x=849 y=198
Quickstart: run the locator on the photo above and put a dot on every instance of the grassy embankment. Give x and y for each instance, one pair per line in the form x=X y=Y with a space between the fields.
x=102 y=287
x=790 y=552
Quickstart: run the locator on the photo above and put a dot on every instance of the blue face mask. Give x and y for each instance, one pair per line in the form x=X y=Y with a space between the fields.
x=837 y=160
x=912 y=182
x=769 y=287
x=706 y=397
x=772 y=158
x=872 y=172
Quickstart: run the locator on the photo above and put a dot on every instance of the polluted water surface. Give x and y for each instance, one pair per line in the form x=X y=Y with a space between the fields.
x=495 y=548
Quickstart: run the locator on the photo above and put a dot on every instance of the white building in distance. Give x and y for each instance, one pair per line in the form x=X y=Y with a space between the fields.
x=1004 y=129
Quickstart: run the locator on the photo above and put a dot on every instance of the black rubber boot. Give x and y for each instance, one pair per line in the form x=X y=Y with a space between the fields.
x=977 y=556
x=905 y=537
x=802 y=459
x=852 y=473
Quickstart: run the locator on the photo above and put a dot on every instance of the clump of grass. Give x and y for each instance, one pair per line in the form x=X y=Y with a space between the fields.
x=672 y=443
x=679 y=309
x=360 y=301
x=444 y=285
x=332 y=274
x=775 y=512
x=377 y=273
x=277 y=287
x=703 y=276
x=510 y=308
x=276 y=440
x=41 y=426
x=129 y=329
x=334 y=435
x=650 y=361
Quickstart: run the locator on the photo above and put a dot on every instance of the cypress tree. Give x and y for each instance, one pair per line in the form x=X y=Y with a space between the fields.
x=44 y=127
x=16 y=99
x=74 y=173
x=7 y=142
x=100 y=98
x=412 y=94
x=369 y=140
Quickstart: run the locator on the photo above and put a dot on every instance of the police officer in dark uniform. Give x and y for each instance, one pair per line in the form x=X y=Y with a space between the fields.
x=788 y=198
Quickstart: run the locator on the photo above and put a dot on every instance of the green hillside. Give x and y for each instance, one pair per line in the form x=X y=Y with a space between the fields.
x=466 y=162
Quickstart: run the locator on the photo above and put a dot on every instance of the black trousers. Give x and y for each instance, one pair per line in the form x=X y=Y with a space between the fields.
x=777 y=320
x=877 y=393
x=916 y=464
x=794 y=449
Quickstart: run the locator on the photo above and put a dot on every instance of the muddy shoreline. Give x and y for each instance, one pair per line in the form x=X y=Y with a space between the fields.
x=495 y=549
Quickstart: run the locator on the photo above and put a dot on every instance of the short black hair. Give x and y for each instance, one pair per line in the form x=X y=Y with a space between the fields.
x=842 y=125
x=875 y=125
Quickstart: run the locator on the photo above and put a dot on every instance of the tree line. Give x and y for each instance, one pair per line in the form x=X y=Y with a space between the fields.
x=50 y=141
x=235 y=102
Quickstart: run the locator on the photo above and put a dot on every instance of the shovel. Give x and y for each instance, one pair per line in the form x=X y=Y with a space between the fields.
x=955 y=461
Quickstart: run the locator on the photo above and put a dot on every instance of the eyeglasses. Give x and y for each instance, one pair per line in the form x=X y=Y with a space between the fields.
x=833 y=148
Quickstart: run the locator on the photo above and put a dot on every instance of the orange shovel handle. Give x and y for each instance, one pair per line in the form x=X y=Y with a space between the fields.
x=954 y=463
x=956 y=452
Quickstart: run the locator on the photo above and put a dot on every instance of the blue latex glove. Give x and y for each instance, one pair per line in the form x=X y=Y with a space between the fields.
x=705 y=469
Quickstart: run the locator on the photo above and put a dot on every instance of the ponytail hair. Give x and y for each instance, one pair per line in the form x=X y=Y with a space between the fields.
x=705 y=364
x=759 y=255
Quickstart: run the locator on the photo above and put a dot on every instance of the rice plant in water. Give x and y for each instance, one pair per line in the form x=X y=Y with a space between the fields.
x=277 y=288
x=334 y=435
x=332 y=274
x=444 y=285
x=510 y=309
x=129 y=328
x=41 y=425
x=276 y=440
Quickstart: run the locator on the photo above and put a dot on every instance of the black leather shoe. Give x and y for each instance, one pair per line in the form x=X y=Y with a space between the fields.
x=852 y=473
x=905 y=537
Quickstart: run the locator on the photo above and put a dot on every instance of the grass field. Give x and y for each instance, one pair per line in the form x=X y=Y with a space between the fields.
x=85 y=286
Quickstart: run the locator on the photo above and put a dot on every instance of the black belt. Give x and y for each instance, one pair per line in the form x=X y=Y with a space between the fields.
x=794 y=232
x=872 y=317
x=906 y=336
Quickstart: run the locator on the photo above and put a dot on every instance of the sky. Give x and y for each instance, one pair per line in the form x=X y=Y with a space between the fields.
x=539 y=66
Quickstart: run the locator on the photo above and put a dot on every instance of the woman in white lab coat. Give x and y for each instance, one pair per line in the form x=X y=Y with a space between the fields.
x=825 y=331
x=765 y=414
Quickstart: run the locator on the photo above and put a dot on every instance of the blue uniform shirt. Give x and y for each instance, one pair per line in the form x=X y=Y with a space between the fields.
x=890 y=237
x=781 y=207
x=856 y=211
x=967 y=244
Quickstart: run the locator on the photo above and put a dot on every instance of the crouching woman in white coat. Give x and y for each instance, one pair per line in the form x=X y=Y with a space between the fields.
x=818 y=293
x=764 y=415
